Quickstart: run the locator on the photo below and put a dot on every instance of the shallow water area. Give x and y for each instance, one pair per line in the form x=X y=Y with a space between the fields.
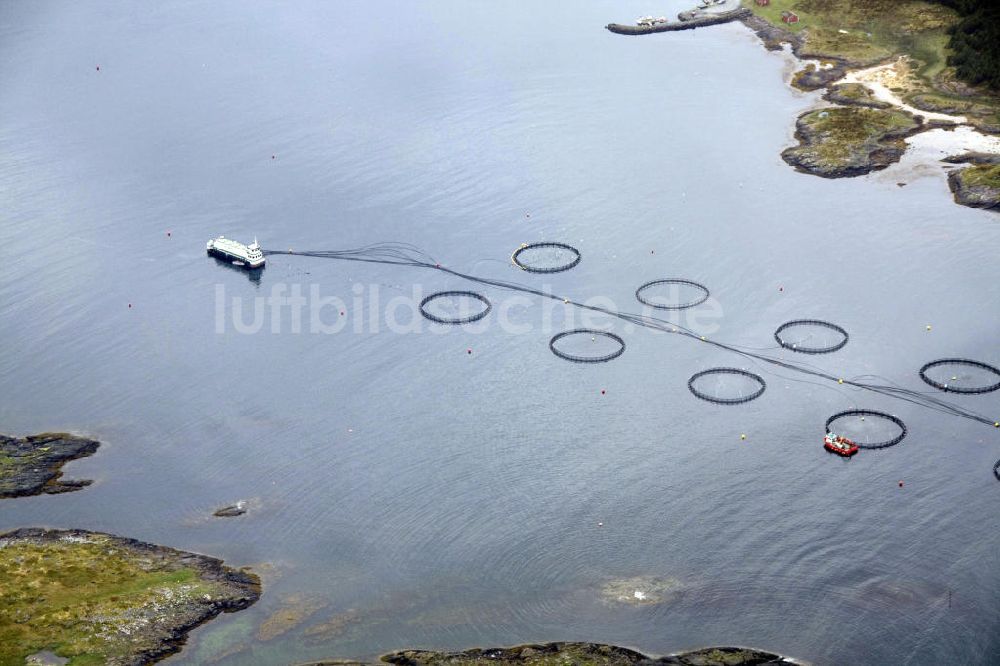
x=414 y=494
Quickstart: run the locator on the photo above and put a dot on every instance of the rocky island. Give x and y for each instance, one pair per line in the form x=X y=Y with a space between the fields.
x=977 y=185
x=841 y=142
x=33 y=465
x=579 y=654
x=96 y=598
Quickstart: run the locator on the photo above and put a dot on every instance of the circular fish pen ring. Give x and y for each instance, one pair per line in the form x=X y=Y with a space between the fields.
x=960 y=389
x=455 y=320
x=678 y=281
x=811 y=350
x=587 y=359
x=726 y=371
x=996 y=470
x=868 y=412
x=551 y=269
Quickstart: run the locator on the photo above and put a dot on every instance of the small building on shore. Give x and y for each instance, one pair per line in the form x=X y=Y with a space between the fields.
x=787 y=16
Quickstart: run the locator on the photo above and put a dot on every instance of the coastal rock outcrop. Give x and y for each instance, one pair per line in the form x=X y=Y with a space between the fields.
x=977 y=186
x=841 y=142
x=100 y=598
x=33 y=465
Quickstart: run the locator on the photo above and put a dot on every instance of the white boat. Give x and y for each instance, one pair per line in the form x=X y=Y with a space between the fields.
x=250 y=256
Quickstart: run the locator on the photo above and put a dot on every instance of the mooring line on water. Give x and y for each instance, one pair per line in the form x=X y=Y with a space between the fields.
x=406 y=254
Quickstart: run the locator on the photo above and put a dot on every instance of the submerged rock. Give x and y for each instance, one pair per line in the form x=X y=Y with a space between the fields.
x=100 y=598
x=841 y=142
x=640 y=590
x=33 y=465
x=294 y=611
x=578 y=654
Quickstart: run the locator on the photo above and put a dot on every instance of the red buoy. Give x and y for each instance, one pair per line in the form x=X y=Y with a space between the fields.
x=168 y=234
x=781 y=288
x=900 y=484
x=469 y=351
x=341 y=313
x=272 y=157
x=98 y=68
x=603 y=391
x=129 y=306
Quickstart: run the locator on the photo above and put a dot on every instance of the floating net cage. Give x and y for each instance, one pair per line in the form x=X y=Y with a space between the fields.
x=811 y=336
x=545 y=257
x=727 y=386
x=455 y=307
x=961 y=375
x=672 y=294
x=867 y=428
x=587 y=345
x=996 y=470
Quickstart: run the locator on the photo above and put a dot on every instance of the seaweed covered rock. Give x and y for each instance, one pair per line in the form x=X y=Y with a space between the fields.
x=33 y=465
x=103 y=599
x=842 y=142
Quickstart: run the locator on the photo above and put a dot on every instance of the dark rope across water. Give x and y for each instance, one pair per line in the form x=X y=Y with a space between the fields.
x=405 y=254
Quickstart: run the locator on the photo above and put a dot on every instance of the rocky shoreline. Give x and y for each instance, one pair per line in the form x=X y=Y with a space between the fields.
x=101 y=598
x=578 y=654
x=33 y=465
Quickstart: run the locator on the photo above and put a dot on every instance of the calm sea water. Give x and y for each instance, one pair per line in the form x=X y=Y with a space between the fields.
x=419 y=495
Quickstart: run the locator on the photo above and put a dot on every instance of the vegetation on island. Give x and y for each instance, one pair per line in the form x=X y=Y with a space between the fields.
x=100 y=599
x=855 y=94
x=846 y=141
x=977 y=186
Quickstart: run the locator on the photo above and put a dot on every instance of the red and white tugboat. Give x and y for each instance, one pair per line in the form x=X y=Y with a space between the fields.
x=839 y=445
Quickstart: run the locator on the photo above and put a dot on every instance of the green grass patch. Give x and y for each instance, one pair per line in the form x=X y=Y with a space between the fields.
x=867 y=31
x=982 y=175
x=73 y=598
